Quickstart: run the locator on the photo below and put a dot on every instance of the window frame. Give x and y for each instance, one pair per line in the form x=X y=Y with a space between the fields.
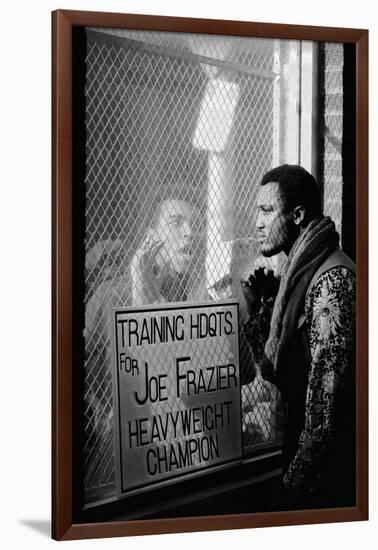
x=64 y=324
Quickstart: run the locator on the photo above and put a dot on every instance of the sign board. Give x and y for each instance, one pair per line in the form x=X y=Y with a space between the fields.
x=177 y=391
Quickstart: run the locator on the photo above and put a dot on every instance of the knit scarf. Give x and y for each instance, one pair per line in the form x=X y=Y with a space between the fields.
x=313 y=246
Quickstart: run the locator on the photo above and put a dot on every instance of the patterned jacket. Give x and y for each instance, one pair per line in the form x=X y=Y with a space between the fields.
x=319 y=388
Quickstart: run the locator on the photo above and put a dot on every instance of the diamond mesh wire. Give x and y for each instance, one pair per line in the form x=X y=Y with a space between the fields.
x=145 y=93
x=333 y=122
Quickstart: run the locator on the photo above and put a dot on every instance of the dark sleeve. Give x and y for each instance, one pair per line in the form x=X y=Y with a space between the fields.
x=109 y=295
x=330 y=309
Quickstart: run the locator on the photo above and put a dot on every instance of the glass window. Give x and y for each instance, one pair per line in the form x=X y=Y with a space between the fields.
x=180 y=128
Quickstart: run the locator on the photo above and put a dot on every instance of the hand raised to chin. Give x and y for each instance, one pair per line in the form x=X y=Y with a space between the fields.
x=147 y=273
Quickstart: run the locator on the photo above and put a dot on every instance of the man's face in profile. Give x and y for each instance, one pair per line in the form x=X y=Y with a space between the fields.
x=276 y=230
x=174 y=229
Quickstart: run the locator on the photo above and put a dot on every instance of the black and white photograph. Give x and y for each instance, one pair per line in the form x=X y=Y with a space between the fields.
x=188 y=218
x=217 y=325
x=209 y=274
x=189 y=297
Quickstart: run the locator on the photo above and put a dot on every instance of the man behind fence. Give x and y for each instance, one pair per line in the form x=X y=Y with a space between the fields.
x=310 y=351
x=165 y=268
x=158 y=273
x=161 y=270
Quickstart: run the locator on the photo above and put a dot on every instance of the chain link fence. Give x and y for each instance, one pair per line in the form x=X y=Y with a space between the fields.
x=332 y=61
x=180 y=129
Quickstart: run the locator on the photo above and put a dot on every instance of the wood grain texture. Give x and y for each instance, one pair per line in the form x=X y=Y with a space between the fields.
x=61 y=277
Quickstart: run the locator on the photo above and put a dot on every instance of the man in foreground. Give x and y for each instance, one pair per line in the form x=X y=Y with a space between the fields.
x=310 y=351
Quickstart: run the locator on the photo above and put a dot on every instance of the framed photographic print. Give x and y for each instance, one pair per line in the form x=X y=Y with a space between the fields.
x=209 y=274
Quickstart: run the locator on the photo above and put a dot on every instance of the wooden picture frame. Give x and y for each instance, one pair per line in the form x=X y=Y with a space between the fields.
x=64 y=328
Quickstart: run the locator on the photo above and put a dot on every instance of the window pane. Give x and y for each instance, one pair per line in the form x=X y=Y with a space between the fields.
x=180 y=129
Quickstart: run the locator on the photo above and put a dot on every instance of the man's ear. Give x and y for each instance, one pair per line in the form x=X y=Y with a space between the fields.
x=299 y=213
